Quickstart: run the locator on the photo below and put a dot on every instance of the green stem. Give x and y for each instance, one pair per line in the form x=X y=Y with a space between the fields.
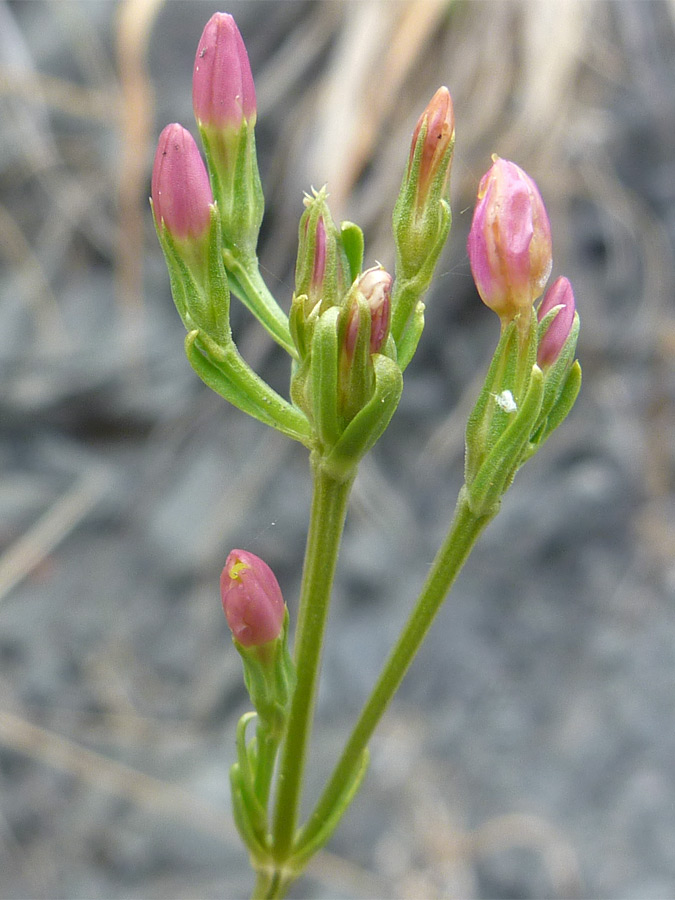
x=267 y=744
x=329 y=508
x=462 y=535
x=248 y=284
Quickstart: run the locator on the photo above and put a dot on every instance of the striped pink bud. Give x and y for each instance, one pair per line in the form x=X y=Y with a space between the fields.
x=181 y=192
x=223 y=93
x=551 y=345
x=510 y=240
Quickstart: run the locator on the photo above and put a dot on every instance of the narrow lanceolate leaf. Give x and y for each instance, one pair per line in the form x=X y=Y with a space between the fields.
x=307 y=846
x=225 y=372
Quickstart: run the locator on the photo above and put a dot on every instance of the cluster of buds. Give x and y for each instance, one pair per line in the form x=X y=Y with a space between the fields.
x=199 y=213
x=340 y=320
x=533 y=380
x=511 y=257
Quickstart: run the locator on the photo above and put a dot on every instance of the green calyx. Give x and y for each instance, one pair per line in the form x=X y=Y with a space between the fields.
x=269 y=675
x=235 y=181
x=421 y=221
x=518 y=408
x=323 y=267
x=199 y=284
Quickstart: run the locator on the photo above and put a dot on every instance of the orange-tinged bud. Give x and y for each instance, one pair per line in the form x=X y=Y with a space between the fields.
x=437 y=124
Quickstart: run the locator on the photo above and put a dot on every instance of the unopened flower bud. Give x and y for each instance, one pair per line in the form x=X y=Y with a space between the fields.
x=321 y=269
x=375 y=285
x=181 y=193
x=436 y=130
x=364 y=328
x=252 y=599
x=224 y=102
x=223 y=93
x=422 y=217
x=550 y=346
x=510 y=240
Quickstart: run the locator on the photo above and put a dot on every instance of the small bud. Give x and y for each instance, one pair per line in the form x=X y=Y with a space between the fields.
x=375 y=285
x=181 y=193
x=321 y=269
x=363 y=330
x=252 y=599
x=550 y=346
x=223 y=93
x=422 y=216
x=436 y=126
x=510 y=240
x=223 y=97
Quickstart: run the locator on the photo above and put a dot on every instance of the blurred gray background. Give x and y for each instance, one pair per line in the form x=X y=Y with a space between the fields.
x=531 y=750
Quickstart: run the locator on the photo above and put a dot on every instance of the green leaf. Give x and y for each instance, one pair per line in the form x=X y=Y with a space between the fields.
x=225 y=372
x=304 y=849
x=253 y=839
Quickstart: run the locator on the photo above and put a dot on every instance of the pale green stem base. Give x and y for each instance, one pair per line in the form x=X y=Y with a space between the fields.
x=329 y=508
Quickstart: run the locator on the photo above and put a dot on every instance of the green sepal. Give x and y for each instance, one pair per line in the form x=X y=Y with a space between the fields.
x=412 y=282
x=223 y=370
x=407 y=344
x=269 y=675
x=556 y=375
x=199 y=285
x=484 y=492
x=324 y=377
x=369 y=423
x=325 y=287
x=352 y=241
x=355 y=370
x=235 y=180
x=307 y=845
x=561 y=409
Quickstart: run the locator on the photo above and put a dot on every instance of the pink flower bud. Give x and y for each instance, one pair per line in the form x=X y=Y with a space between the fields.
x=252 y=599
x=439 y=118
x=509 y=241
x=181 y=193
x=223 y=93
x=375 y=285
x=559 y=294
